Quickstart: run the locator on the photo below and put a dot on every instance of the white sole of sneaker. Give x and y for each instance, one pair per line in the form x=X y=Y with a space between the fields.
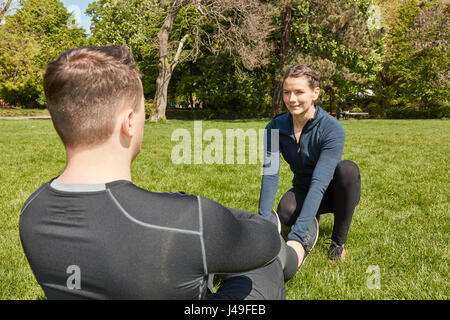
x=278 y=222
x=317 y=235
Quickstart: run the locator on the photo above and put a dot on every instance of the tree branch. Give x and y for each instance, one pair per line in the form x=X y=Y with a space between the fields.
x=5 y=9
x=177 y=55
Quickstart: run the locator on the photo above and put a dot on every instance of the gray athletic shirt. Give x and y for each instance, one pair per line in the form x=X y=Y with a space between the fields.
x=124 y=242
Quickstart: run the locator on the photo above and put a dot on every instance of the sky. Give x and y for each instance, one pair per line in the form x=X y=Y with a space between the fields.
x=78 y=7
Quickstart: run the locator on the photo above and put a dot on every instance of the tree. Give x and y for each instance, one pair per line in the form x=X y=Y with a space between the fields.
x=215 y=80
x=333 y=38
x=133 y=23
x=285 y=41
x=166 y=65
x=19 y=72
x=189 y=29
x=33 y=36
x=415 y=69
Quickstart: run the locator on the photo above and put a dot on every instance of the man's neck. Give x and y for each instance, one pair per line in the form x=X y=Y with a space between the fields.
x=95 y=166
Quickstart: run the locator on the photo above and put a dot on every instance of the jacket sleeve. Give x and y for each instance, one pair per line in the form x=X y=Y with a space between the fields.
x=270 y=172
x=330 y=155
x=236 y=241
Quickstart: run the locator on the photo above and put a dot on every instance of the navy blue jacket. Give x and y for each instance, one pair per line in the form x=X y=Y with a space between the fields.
x=313 y=161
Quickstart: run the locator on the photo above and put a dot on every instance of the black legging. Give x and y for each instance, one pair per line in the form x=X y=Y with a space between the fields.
x=340 y=198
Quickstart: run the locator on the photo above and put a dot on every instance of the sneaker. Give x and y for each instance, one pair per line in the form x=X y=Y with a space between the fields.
x=311 y=238
x=276 y=220
x=319 y=218
x=336 y=252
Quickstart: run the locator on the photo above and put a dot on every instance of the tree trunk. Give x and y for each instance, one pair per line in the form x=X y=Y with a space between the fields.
x=191 y=101
x=162 y=83
x=286 y=23
x=332 y=99
x=165 y=67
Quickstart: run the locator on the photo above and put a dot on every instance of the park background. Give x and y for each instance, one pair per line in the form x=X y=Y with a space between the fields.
x=389 y=59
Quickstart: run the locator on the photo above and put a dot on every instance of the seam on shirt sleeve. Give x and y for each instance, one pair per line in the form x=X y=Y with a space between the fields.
x=202 y=242
x=147 y=225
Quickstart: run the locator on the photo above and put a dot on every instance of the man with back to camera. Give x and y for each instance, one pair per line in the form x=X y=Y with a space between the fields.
x=125 y=242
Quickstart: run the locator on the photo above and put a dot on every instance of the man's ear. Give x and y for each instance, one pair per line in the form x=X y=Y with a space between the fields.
x=127 y=126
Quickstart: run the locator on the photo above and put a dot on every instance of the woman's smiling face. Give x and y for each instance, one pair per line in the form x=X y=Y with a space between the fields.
x=298 y=96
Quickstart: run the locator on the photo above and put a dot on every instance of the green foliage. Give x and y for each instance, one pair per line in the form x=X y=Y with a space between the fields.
x=35 y=35
x=416 y=112
x=415 y=69
x=129 y=24
x=444 y=111
x=333 y=37
x=374 y=110
x=341 y=47
x=148 y=107
x=407 y=68
x=19 y=112
x=137 y=23
x=221 y=87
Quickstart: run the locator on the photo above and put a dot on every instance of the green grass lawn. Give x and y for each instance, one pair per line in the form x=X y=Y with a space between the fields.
x=401 y=225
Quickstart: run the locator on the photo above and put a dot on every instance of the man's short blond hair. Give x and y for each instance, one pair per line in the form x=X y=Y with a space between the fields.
x=85 y=88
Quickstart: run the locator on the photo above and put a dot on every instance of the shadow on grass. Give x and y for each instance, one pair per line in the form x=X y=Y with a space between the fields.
x=325 y=229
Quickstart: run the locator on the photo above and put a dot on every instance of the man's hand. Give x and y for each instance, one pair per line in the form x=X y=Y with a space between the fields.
x=297 y=246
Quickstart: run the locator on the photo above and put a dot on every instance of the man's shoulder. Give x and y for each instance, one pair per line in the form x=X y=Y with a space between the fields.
x=163 y=196
x=34 y=195
x=175 y=210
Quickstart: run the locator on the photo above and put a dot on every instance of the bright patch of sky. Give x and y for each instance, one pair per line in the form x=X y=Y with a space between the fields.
x=78 y=9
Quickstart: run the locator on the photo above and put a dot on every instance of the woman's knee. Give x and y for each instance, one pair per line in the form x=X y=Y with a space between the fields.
x=287 y=209
x=347 y=173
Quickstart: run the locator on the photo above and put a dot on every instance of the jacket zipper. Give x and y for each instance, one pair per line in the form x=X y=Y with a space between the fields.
x=299 y=150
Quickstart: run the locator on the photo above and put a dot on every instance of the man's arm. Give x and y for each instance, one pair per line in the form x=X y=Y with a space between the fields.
x=236 y=241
